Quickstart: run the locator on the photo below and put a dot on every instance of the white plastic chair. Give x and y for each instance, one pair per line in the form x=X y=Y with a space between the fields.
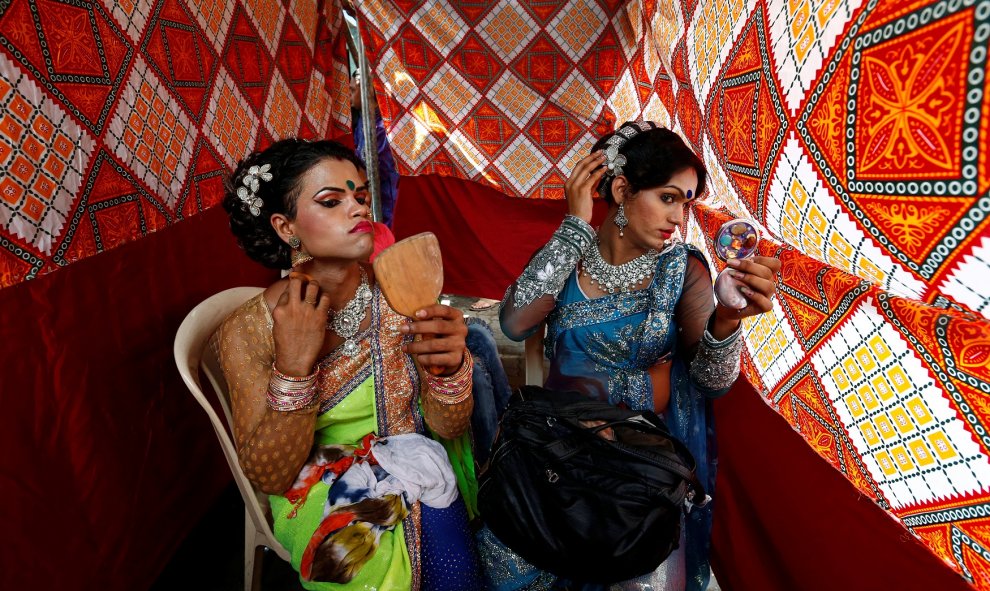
x=192 y=353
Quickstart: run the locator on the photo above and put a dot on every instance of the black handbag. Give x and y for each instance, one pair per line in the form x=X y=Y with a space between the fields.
x=583 y=507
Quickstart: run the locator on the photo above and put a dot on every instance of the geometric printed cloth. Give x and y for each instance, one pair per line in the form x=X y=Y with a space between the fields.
x=120 y=118
x=854 y=132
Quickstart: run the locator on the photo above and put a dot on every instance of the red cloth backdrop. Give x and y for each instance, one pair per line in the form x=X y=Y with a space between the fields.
x=108 y=461
x=785 y=520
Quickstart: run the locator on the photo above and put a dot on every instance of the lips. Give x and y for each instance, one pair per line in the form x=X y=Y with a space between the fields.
x=362 y=228
x=665 y=234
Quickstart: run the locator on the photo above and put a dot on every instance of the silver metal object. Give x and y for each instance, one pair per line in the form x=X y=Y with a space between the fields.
x=370 y=152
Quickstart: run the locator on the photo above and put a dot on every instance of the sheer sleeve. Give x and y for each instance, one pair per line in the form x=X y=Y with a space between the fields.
x=528 y=301
x=714 y=365
x=271 y=445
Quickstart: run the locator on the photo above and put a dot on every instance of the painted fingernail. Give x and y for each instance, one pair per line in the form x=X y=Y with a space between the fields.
x=421 y=314
x=733 y=263
x=736 y=274
x=746 y=291
x=404 y=328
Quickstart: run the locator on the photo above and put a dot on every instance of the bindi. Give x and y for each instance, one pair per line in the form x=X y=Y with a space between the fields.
x=690 y=194
x=351 y=185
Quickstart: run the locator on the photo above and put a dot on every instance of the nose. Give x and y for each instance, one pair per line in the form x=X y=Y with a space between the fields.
x=362 y=210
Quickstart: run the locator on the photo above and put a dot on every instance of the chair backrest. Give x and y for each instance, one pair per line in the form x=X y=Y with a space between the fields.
x=192 y=353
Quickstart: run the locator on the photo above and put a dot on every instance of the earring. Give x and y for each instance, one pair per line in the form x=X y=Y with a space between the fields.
x=298 y=256
x=620 y=219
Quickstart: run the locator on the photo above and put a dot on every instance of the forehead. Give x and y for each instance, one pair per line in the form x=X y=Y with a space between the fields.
x=685 y=179
x=329 y=172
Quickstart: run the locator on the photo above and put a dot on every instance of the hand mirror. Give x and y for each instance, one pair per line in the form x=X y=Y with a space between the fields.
x=736 y=239
x=410 y=275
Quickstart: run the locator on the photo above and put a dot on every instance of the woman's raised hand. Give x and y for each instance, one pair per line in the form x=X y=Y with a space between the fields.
x=446 y=348
x=580 y=186
x=757 y=278
x=299 y=325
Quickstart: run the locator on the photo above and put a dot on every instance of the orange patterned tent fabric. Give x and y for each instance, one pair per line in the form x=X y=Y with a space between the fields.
x=120 y=118
x=855 y=133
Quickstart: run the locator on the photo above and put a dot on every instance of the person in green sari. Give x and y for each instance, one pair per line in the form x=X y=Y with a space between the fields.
x=332 y=411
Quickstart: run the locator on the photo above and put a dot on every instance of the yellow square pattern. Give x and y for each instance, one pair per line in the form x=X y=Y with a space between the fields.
x=868 y=397
x=577 y=95
x=869 y=434
x=400 y=83
x=887 y=465
x=306 y=15
x=884 y=427
x=268 y=14
x=825 y=12
x=282 y=112
x=899 y=379
x=901 y=420
x=852 y=369
x=158 y=138
x=882 y=388
x=902 y=458
x=804 y=224
x=800 y=13
x=318 y=101
x=523 y=162
x=577 y=26
x=232 y=117
x=840 y=378
x=866 y=359
x=625 y=99
x=712 y=30
x=922 y=455
x=439 y=27
x=454 y=92
x=854 y=405
x=514 y=97
x=919 y=410
x=879 y=348
x=413 y=138
x=942 y=446
x=505 y=29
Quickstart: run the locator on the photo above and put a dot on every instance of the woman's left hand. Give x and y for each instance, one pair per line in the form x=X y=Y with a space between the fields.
x=446 y=347
x=757 y=278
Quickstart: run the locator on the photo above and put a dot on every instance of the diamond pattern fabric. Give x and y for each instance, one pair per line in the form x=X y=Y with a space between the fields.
x=854 y=132
x=119 y=118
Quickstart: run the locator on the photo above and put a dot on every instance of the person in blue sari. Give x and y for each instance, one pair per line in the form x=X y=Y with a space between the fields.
x=631 y=319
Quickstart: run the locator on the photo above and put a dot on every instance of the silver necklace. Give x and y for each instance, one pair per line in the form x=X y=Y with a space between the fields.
x=611 y=278
x=348 y=320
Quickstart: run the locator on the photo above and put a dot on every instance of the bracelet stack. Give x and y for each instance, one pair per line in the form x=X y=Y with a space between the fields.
x=287 y=393
x=455 y=388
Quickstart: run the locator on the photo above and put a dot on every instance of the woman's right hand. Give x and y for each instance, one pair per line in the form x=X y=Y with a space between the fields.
x=580 y=186
x=299 y=325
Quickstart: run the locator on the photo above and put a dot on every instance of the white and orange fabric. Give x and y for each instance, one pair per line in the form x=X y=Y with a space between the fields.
x=854 y=132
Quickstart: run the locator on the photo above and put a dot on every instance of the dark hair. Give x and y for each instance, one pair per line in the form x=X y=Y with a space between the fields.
x=652 y=157
x=290 y=159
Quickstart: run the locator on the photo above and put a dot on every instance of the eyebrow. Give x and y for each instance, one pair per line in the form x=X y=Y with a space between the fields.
x=339 y=189
x=676 y=188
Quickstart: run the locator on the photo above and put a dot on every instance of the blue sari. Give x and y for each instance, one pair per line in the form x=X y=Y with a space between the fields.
x=604 y=348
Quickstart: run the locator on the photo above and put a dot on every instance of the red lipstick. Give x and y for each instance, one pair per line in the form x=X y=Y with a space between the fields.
x=362 y=228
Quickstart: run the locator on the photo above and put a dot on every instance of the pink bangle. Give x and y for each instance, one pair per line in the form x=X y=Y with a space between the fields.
x=455 y=388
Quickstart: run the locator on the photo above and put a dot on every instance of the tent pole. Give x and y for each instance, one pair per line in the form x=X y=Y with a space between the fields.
x=368 y=121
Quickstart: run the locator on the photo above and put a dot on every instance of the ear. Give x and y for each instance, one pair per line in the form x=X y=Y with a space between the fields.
x=620 y=186
x=282 y=226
